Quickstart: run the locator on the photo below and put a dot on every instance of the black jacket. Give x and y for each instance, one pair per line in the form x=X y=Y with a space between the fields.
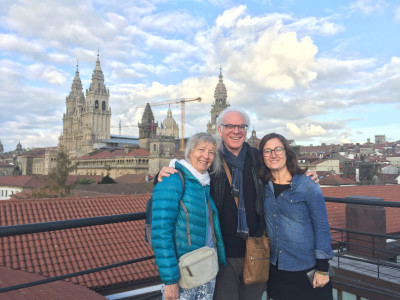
x=221 y=193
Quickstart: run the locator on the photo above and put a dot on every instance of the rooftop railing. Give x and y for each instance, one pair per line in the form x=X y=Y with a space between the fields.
x=367 y=254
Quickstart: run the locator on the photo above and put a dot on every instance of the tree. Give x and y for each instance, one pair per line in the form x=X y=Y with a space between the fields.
x=106 y=180
x=59 y=175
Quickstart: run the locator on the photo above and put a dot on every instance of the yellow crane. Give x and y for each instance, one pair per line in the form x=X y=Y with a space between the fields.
x=182 y=101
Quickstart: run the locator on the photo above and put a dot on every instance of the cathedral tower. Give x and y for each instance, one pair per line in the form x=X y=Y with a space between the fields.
x=147 y=128
x=86 y=121
x=220 y=103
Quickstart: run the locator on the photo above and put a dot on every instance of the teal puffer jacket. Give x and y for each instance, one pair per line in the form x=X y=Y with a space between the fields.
x=168 y=227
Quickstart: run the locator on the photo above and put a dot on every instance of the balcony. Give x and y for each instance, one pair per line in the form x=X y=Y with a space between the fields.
x=96 y=246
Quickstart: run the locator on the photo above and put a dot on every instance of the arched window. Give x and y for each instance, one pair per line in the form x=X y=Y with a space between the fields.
x=96 y=104
x=155 y=147
x=103 y=105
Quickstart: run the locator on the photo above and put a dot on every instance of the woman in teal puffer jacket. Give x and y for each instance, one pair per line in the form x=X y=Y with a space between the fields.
x=168 y=234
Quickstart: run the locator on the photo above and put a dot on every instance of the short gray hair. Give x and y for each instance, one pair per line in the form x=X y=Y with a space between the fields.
x=229 y=110
x=203 y=137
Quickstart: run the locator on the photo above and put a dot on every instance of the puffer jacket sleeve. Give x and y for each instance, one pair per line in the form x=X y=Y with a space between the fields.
x=166 y=197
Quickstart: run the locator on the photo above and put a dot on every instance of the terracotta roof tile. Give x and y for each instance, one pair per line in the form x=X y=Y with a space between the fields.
x=23 y=181
x=66 y=251
x=49 y=291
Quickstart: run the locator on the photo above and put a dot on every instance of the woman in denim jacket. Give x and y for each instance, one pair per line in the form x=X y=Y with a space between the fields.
x=297 y=224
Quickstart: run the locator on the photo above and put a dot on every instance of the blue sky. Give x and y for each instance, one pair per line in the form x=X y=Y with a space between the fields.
x=314 y=71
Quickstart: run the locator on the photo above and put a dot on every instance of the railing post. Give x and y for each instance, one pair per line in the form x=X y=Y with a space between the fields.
x=378 y=264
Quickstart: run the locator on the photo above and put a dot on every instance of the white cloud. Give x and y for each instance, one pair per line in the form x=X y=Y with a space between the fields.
x=306 y=129
x=369 y=7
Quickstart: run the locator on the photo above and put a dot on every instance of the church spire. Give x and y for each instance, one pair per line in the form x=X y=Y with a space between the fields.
x=97 y=85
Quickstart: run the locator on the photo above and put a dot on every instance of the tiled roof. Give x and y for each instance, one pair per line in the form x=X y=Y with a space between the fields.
x=115 y=153
x=133 y=178
x=328 y=178
x=60 y=252
x=317 y=162
x=388 y=178
x=23 y=181
x=336 y=211
x=49 y=291
x=39 y=152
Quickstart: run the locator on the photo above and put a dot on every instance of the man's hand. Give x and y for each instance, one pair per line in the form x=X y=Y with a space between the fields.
x=165 y=172
x=313 y=174
x=171 y=291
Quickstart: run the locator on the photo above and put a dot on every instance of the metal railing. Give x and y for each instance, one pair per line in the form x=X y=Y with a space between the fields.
x=344 y=257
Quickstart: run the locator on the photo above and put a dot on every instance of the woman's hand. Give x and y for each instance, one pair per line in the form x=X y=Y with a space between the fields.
x=171 y=291
x=320 y=280
x=165 y=172
x=313 y=174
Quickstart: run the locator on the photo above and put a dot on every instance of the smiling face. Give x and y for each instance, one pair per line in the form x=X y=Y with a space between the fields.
x=273 y=161
x=202 y=156
x=233 y=139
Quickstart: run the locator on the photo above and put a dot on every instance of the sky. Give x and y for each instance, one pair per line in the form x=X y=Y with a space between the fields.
x=314 y=71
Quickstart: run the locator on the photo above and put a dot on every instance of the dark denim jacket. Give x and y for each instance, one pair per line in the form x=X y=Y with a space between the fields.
x=297 y=224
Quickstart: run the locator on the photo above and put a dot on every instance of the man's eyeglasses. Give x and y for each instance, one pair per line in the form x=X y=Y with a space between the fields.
x=231 y=127
x=278 y=151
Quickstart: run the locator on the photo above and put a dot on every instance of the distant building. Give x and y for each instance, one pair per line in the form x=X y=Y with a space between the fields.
x=380 y=138
x=10 y=185
x=115 y=163
x=254 y=141
x=220 y=103
x=87 y=119
x=169 y=127
x=367 y=148
x=6 y=168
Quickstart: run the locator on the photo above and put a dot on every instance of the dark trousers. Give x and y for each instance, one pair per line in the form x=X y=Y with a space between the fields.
x=230 y=285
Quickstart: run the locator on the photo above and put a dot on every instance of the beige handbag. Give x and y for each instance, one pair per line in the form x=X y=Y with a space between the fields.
x=199 y=266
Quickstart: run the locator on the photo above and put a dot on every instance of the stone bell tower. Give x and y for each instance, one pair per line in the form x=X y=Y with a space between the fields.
x=220 y=103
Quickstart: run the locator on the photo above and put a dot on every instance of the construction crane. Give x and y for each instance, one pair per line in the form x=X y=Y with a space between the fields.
x=182 y=101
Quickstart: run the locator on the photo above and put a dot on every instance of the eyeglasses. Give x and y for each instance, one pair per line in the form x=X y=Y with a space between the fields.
x=278 y=151
x=231 y=127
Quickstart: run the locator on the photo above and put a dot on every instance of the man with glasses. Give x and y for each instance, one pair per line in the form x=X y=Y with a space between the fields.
x=238 y=221
x=246 y=218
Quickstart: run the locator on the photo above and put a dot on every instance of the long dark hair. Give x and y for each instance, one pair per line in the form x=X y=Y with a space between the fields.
x=291 y=158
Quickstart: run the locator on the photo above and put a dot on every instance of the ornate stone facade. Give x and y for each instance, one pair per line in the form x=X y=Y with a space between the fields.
x=86 y=121
x=220 y=103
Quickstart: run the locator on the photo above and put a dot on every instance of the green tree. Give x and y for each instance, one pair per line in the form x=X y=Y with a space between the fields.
x=106 y=180
x=59 y=175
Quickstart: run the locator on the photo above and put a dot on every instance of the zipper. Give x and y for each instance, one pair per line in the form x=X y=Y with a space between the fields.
x=257 y=258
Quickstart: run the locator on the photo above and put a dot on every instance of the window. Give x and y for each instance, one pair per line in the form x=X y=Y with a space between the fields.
x=103 y=105
x=96 y=104
x=155 y=147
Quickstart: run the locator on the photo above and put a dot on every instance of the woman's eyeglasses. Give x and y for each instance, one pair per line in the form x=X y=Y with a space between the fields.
x=278 y=151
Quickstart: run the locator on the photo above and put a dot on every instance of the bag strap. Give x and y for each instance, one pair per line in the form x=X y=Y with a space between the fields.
x=228 y=174
x=211 y=221
x=187 y=221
